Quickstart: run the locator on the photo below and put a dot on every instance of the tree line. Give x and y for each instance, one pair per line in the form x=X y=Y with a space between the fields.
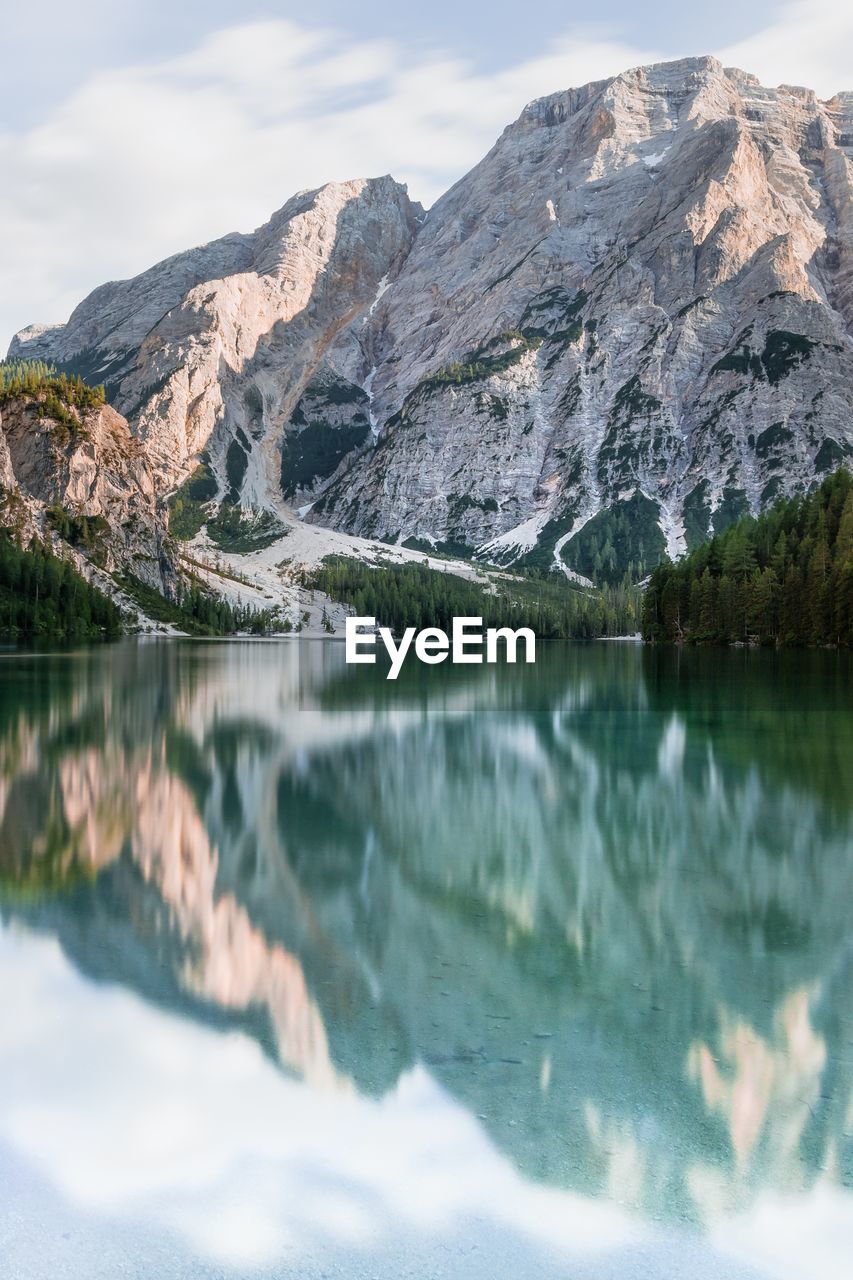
x=59 y=393
x=784 y=578
x=415 y=595
x=197 y=610
x=44 y=598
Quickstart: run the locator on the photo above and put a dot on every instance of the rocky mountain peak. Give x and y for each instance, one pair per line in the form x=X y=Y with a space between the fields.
x=629 y=323
x=210 y=346
x=672 y=247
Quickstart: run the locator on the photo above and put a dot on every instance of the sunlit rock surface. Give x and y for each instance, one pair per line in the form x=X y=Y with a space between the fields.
x=211 y=349
x=92 y=467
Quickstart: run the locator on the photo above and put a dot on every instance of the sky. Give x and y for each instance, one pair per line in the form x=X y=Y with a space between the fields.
x=132 y=129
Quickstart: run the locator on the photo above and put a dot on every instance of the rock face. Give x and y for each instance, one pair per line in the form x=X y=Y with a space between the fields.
x=7 y=475
x=672 y=251
x=90 y=466
x=629 y=324
x=209 y=351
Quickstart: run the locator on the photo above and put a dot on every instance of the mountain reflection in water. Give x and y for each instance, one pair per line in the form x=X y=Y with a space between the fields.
x=603 y=902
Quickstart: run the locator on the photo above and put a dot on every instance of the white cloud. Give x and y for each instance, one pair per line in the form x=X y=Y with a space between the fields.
x=134 y=1133
x=143 y=162
x=142 y=1124
x=809 y=43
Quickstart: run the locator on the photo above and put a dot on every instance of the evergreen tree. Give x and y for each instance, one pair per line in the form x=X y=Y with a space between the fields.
x=785 y=578
x=413 y=595
x=44 y=598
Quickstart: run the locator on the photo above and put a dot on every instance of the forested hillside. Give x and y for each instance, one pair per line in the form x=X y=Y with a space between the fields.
x=44 y=598
x=198 y=611
x=413 y=595
x=785 y=578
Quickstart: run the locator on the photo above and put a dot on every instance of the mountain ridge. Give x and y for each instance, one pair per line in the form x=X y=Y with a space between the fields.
x=627 y=325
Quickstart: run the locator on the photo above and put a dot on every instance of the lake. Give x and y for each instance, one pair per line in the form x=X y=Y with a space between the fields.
x=512 y=971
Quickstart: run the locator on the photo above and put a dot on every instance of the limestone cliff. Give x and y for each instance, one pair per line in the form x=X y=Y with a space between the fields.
x=86 y=468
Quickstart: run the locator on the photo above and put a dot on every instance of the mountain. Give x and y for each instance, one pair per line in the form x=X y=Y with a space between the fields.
x=628 y=325
x=208 y=351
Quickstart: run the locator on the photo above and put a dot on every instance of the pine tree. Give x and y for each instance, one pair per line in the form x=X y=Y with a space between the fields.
x=783 y=578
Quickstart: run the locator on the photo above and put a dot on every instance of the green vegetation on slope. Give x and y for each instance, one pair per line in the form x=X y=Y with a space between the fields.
x=188 y=505
x=83 y=532
x=414 y=595
x=15 y=375
x=238 y=530
x=45 y=598
x=785 y=578
x=480 y=364
x=315 y=452
x=197 y=610
x=236 y=465
x=59 y=393
x=623 y=539
x=783 y=351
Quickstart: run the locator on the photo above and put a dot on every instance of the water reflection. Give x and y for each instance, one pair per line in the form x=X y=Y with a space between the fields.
x=603 y=903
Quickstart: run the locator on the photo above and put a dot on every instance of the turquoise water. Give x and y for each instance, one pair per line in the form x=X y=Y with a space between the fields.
x=511 y=971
